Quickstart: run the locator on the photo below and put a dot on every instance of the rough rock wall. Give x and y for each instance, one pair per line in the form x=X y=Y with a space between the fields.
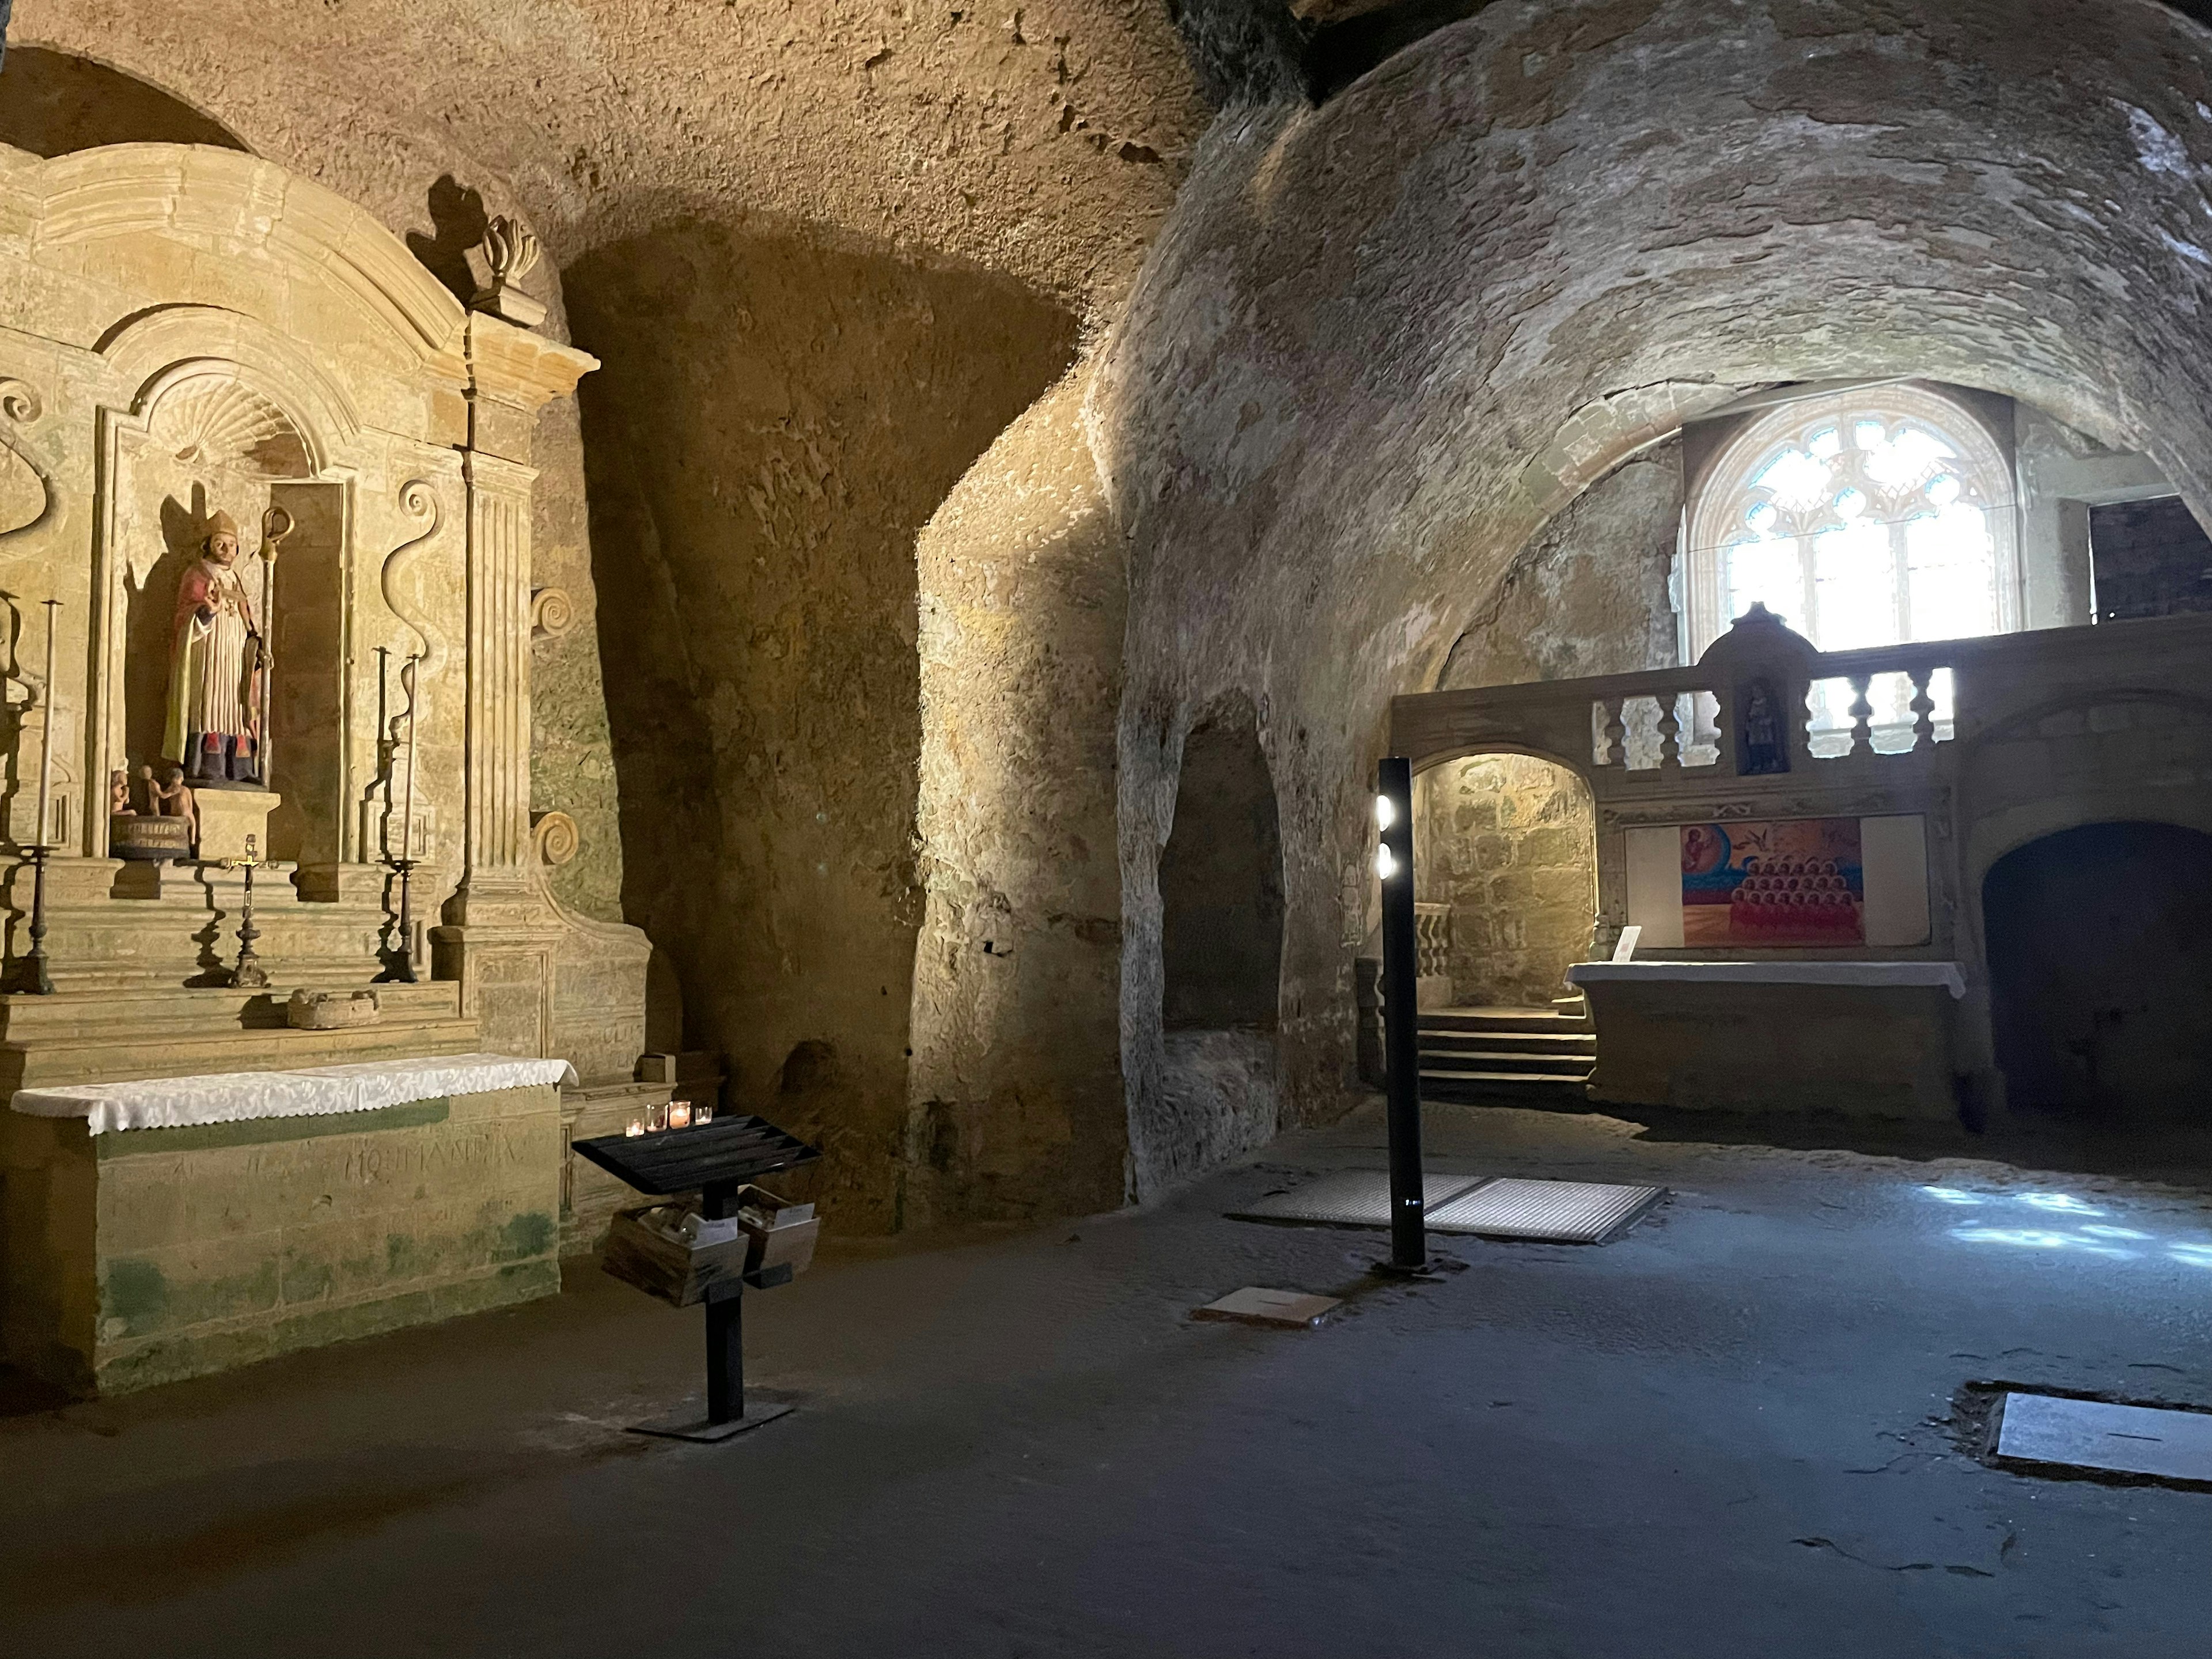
x=1588 y=595
x=1042 y=143
x=790 y=418
x=1510 y=843
x=1378 y=341
x=54 y=104
x=1043 y=140
x=1015 y=1092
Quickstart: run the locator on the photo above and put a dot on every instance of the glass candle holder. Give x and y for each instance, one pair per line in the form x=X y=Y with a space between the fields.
x=702 y=1113
x=656 y=1117
x=637 y=1127
x=679 y=1114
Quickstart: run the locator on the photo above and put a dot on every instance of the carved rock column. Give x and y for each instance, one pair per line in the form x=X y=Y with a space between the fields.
x=500 y=935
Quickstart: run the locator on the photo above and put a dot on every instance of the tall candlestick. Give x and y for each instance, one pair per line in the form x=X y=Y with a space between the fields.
x=407 y=822
x=46 y=748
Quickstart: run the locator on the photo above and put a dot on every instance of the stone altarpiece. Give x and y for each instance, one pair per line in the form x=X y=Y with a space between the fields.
x=188 y=330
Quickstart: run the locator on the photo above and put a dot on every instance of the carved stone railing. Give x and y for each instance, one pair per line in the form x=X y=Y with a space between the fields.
x=1762 y=701
x=1432 y=940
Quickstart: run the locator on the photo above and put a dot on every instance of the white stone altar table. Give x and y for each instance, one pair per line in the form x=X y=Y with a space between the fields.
x=1868 y=1039
x=166 y=1227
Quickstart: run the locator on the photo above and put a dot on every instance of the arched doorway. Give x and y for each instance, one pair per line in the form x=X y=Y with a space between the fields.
x=1505 y=874
x=2100 y=970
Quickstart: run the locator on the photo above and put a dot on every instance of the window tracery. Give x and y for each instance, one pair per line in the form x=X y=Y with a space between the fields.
x=1878 y=516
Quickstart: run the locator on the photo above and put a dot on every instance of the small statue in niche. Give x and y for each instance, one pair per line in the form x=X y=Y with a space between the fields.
x=1762 y=741
x=119 y=796
x=218 y=662
x=170 y=797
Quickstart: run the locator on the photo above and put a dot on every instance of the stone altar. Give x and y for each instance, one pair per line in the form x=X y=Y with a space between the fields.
x=192 y=333
x=1873 y=1039
x=192 y=338
x=272 y=1211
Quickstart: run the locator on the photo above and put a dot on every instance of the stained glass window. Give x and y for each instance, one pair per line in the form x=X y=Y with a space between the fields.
x=1867 y=517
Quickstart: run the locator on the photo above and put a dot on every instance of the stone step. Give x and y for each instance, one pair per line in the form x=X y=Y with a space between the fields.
x=1507 y=1087
x=1502 y=1019
x=1554 y=1065
x=1527 y=1040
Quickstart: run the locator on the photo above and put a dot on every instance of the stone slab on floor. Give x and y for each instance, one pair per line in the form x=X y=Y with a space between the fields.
x=1256 y=1304
x=2114 y=1439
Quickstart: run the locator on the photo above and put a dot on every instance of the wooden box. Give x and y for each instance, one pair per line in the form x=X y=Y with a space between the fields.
x=678 y=1273
x=786 y=1238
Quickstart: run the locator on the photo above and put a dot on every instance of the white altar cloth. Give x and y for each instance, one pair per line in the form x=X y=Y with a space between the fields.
x=1945 y=974
x=171 y=1102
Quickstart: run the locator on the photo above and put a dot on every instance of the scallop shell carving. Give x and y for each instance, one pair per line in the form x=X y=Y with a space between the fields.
x=218 y=421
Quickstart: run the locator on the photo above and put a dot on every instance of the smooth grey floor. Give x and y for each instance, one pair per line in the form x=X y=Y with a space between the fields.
x=1729 y=1434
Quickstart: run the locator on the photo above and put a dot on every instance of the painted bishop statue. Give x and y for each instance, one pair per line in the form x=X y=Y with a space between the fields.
x=217 y=655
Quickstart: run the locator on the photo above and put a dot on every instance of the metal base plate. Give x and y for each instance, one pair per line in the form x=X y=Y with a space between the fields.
x=1557 y=1211
x=691 y=1422
x=1349 y=1198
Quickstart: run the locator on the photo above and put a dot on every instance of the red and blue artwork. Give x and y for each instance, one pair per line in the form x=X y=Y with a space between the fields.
x=1781 y=881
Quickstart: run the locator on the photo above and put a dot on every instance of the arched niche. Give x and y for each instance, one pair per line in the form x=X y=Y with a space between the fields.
x=2099 y=943
x=215 y=434
x=1221 y=883
x=1507 y=842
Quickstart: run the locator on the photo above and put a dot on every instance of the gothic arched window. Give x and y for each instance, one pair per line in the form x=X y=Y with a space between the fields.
x=1876 y=516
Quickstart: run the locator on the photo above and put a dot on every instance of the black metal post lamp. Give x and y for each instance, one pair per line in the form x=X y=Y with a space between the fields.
x=1402 y=1031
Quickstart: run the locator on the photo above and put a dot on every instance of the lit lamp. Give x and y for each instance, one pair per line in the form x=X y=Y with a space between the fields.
x=1402 y=1031
x=679 y=1114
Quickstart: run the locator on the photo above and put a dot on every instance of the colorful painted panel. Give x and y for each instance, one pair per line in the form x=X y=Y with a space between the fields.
x=1782 y=881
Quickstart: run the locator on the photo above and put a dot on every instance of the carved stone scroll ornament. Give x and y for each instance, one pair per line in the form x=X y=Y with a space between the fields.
x=552 y=613
x=20 y=405
x=555 y=837
x=420 y=503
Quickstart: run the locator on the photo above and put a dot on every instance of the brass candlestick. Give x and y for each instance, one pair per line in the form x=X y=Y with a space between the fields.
x=249 y=974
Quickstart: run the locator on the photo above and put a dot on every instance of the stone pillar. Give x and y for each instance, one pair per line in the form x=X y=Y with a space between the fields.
x=500 y=936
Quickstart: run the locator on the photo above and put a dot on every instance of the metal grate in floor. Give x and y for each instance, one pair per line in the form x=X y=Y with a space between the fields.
x=1349 y=1198
x=1558 y=1211
x=2095 y=1434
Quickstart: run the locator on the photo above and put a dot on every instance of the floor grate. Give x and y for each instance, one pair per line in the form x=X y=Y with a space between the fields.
x=1349 y=1198
x=2095 y=1434
x=1558 y=1211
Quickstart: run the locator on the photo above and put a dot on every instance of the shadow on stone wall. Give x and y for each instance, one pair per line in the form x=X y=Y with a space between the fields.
x=773 y=424
x=53 y=104
x=2100 y=970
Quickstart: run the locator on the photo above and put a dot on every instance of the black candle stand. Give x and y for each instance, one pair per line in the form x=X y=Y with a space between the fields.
x=27 y=976
x=399 y=961
x=714 y=1160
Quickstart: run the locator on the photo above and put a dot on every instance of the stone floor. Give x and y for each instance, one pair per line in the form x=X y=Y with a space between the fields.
x=1730 y=1433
